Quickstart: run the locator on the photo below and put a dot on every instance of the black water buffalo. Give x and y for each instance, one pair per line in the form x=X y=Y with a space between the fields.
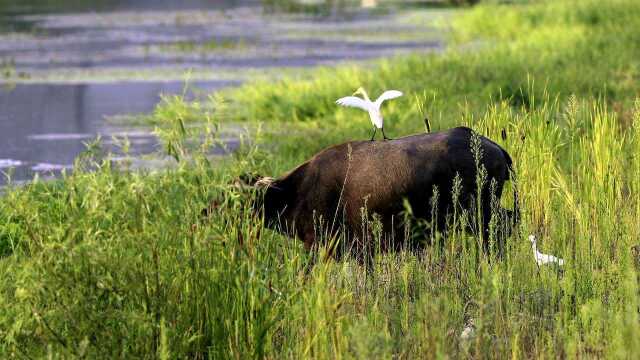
x=330 y=192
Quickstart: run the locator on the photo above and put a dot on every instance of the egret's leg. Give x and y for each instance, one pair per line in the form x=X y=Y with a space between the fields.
x=385 y=136
x=375 y=129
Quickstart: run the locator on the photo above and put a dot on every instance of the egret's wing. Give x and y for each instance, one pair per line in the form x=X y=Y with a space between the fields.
x=550 y=259
x=556 y=260
x=546 y=258
x=388 y=95
x=352 y=101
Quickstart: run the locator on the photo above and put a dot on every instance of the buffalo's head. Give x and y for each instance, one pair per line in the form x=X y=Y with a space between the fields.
x=251 y=186
x=268 y=195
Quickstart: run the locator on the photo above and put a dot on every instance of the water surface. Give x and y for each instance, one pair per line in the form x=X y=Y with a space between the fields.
x=43 y=127
x=65 y=70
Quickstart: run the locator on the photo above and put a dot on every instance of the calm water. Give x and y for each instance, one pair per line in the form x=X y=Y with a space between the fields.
x=43 y=126
x=12 y=11
x=42 y=6
x=63 y=70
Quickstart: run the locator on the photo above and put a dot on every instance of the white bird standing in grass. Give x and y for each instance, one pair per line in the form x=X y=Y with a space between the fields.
x=543 y=259
x=469 y=330
x=373 y=108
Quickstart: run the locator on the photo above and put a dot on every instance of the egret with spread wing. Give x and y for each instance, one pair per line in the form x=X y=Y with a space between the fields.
x=373 y=108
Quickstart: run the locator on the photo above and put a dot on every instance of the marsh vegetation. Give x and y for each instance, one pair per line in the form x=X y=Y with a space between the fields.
x=112 y=263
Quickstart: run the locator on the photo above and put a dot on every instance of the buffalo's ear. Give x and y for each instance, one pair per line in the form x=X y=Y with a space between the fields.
x=254 y=182
x=264 y=182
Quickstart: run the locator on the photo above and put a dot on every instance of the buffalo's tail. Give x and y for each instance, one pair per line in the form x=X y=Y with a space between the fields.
x=514 y=185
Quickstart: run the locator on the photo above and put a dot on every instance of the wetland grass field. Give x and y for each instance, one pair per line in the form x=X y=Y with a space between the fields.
x=106 y=263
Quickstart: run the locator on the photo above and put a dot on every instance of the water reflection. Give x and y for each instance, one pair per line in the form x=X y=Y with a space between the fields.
x=60 y=6
x=12 y=11
x=43 y=126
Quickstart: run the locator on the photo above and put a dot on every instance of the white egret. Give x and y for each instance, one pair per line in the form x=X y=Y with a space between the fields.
x=543 y=259
x=469 y=330
x=373 y=108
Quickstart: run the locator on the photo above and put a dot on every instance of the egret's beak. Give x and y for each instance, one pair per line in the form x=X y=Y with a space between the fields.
x=360 y=91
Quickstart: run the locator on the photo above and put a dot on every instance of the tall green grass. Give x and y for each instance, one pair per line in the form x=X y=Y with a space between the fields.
x=109 y=263
x=517 y=54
